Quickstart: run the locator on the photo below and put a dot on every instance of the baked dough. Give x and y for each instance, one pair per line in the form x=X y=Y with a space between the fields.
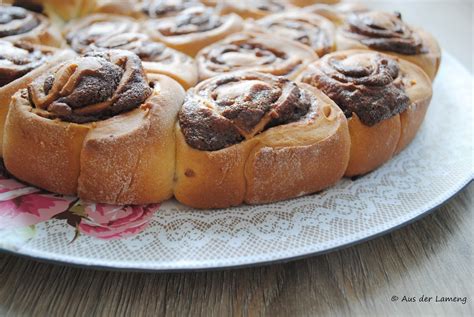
x=254 y=52
x=255 y=9
x=83 y=32
x=115 y=145
x=193 y=29
x=257 y=138
x=20 y=63
x=336 y=12
x=385 y=99
x=386 y=32
x=309 y=29
x=19 y=24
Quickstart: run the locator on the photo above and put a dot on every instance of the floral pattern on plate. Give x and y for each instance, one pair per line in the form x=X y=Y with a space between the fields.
x=23 y=206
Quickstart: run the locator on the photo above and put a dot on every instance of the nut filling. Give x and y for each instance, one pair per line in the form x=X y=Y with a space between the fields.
x=90 y=88
x=384 y=31
x=16 y=20
x=164 y=8
x=192 y=20
x=81 y=38
x=18 y=59
x=226 y=110
x=137 y=43
x=308 y=29
x=368 y=84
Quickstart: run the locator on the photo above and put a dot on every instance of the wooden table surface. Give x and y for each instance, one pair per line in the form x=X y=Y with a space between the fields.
x=432 y=257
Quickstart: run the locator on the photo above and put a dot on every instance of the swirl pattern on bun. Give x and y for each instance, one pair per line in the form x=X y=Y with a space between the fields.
x=82 y=33
x=98 y=127
x=309 y=29
x=384 y=97
x=387 y=32
x=156 y=57
x=254 y=52
x=368 y=85
x=19 y=24
x=90 y=88
x=242 y=132
x=16 y=20
x=193 y=28
x=255 y=9
x=165 y=8
x=239 y=108
x=20 y=63
x=18 y=59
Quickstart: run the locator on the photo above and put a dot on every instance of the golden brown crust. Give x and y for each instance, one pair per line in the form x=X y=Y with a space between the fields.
x=298 y=159
x=178 y=66
x=45 y=33
x=56 y=56
x=248 y=51
x=429 y=60
x=285 y=161
x=124 y=7
x=210 y=179
x=372 y=146
x=126 y=159
x=411 y=120
x=336 y=13
x=68 y=10
x=42 y=152
x=130 y=158
x=192 y=39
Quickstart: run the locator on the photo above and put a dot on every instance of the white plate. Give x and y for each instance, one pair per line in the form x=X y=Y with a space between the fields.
x=432 y=169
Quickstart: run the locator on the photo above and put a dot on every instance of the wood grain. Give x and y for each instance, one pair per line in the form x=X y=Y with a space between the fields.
x=432 y=257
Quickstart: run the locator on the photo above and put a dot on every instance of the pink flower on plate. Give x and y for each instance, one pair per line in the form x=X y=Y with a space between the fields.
x=110 y=222
x=22 y=205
